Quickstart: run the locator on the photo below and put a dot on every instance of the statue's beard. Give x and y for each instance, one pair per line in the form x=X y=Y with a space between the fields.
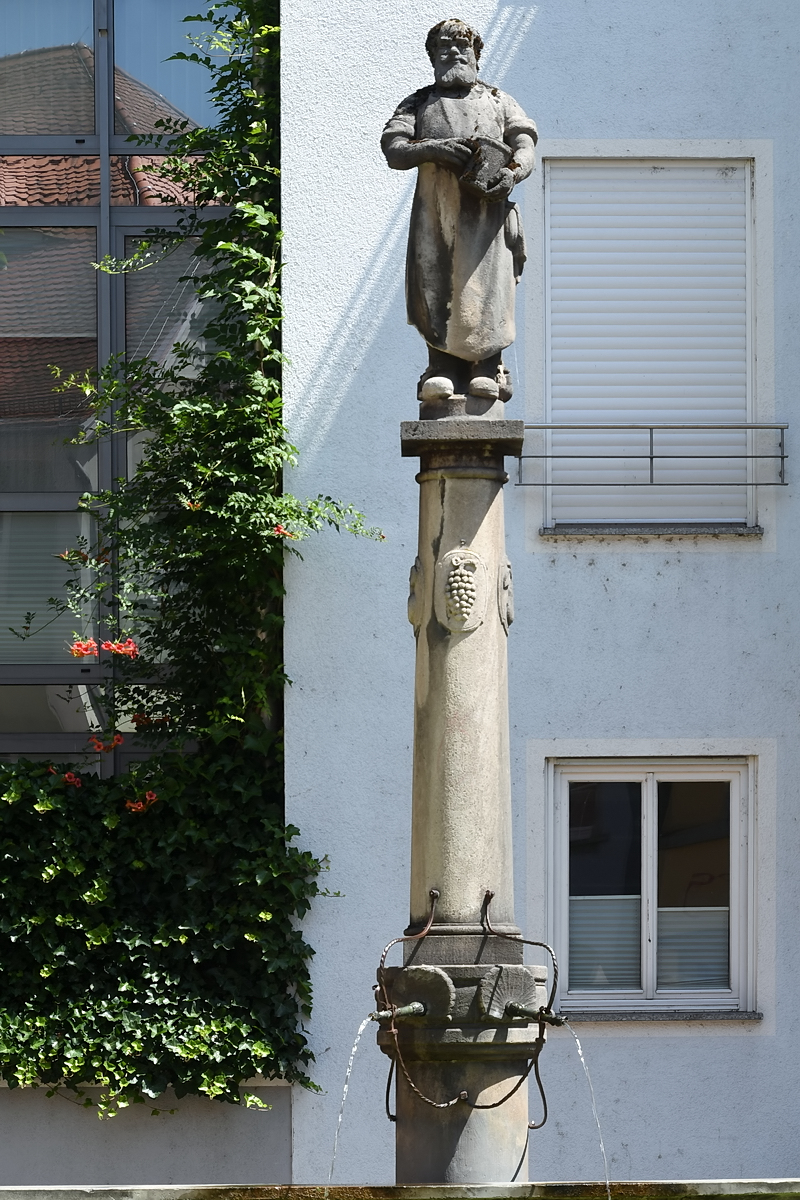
x=459 y=75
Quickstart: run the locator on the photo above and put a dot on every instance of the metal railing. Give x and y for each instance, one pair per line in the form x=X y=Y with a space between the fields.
x=652 y=456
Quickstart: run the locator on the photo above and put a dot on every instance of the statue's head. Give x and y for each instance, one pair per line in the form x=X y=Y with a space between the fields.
x=454 y=50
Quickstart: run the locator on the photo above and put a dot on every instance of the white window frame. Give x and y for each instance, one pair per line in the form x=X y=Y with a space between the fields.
x=740 y=773
x=761 y=320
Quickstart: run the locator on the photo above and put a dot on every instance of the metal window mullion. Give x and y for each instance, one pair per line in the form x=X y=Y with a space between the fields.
x=649 y=883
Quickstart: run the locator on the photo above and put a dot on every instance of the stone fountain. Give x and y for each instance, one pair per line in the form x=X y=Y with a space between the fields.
x=463 y=1018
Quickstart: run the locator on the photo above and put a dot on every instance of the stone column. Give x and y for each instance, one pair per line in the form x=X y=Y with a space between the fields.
x=464 y=1043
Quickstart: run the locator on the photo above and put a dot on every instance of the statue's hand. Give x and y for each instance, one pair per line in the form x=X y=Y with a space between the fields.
x=501 y=185
x=448 y=152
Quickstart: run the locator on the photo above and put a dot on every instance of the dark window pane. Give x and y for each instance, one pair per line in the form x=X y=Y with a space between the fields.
x=605 y=871
x=694 y=856
x=149 y=88
x=605 y=839
x=47 y=69
x=47 y=316
x=30 y=573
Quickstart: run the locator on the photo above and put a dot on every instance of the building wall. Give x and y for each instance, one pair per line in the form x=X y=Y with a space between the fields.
x=55 y=1142
x=678 y=645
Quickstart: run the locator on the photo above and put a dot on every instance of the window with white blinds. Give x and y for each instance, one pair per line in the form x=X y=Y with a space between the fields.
x=652 y=876
x=647 y=303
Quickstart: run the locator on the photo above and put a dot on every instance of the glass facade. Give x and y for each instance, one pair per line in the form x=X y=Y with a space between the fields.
x=47 y=68
x=77 y=78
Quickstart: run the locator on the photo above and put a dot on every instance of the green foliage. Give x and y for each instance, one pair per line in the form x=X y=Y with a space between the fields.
x=151 y=943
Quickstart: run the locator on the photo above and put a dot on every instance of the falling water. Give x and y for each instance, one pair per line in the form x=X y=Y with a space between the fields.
x=594 y=1106
x=361 y=1029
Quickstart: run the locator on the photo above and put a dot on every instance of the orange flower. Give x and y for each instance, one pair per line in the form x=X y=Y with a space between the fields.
x=140 y=806
x=73 y=779
x=128 y=648
x=87 y=649
x=281 y=532
x=99 y=745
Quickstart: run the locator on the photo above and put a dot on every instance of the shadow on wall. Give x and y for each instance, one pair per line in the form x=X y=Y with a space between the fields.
x=378 y=293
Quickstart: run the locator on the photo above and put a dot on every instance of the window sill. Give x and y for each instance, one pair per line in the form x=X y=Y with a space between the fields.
x=706 y=529
x=710 y=1014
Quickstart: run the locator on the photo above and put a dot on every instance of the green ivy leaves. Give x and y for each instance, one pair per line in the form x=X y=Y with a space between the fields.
x=168 y=970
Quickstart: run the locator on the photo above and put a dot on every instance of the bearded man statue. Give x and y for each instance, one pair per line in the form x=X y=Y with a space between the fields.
x=471 y=144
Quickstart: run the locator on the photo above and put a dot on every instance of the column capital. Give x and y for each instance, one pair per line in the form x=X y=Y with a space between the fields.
x=472 y=433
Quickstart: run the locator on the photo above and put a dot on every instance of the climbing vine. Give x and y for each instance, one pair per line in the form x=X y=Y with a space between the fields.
x=148 y=921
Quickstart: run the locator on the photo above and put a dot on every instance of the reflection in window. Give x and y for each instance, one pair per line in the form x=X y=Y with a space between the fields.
x=47 y=315
x=161 y=305
x=605 y=883
x=136 y=180
x=47 y=69
x=146 y=34
x=70 y=180
x=694 y=874
x=30 y=573
x=50 y=708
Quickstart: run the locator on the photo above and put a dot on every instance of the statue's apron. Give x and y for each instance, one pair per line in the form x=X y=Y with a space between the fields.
x=464 y=253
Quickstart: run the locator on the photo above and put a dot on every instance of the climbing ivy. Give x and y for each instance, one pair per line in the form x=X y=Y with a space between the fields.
x=148 y=921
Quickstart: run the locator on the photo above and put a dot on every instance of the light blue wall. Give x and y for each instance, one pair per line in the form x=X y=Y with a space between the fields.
x=620 y=642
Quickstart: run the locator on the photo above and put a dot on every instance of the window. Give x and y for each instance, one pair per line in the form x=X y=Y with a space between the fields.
x=77 y=78
x=653 y=885
x=648 y=313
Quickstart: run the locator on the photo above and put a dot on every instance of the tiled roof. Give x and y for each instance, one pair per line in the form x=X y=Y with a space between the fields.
x=51 y=90
x=26 y=382
x=48 y=285
x=73 y=180
x=137 y=107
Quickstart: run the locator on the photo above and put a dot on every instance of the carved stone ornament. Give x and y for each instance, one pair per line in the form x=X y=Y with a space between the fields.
x=461 y=590
x=415 y=593
x=505 y=594
x=428 y=985
x=503 y=985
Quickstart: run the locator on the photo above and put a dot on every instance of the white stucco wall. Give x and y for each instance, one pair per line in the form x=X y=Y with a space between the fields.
x=680 y=646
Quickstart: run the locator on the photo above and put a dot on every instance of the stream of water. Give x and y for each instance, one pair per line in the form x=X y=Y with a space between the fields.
x=594 y=1106
x=361 y=1029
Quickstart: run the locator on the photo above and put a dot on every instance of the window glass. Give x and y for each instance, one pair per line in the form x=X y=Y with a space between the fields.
x=30 y=573
x=605 y=870
x=161 y=304
x=161 y=308
x=62 y=180
x=88 y=763
x=136 y=181
x=693 y=884
x=47 y=67
x=50 y=708
x=47 y=316
x=147 y=87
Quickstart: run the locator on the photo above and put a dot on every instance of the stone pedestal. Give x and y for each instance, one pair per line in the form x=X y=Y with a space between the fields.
x=464 y=1044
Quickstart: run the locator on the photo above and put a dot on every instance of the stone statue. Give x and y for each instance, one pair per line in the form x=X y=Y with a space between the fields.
x=471 y=143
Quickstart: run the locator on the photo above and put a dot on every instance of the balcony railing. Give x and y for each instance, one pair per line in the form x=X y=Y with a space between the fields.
x=654 y=455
